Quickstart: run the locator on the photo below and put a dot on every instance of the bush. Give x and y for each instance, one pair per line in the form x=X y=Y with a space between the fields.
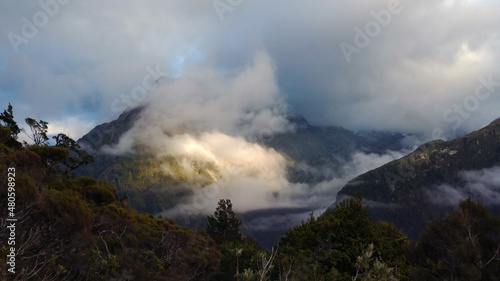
x=67 y=207
x=101 y=193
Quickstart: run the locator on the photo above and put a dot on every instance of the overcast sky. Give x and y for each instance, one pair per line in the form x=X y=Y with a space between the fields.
x=420 y=66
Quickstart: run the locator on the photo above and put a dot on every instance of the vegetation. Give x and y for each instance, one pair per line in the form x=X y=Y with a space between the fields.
x=7 y=119
x=369 y=268
x=76 y=229
x=327 y=247
x=404 y=184
x=241 y=257
x=38 y=131
x=76 y=157
x=224 y=226
x=148 y=180
x=465 y=245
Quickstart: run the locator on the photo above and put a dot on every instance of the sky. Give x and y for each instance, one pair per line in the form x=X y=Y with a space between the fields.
x=428 y=67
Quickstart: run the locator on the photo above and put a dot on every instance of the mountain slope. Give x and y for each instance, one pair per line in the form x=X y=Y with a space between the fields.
x=327 y=149
x=401 y=190
x=317 y=154
x=64 y=228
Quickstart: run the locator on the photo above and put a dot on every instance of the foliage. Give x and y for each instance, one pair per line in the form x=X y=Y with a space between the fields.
x=327 y=248
x=369 y=268
x=68 y=208
x=465 y=245
x=75 y=229
x=62 y=158
x=51 y=156
x=4 y=134
x=38 y=131
x=224 y=226
x=7 y=119
x=236 y=257
x=264 y=265
x=77 y=157
x=241 y=257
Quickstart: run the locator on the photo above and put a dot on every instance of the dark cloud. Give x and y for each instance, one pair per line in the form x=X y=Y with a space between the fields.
x=415 y=74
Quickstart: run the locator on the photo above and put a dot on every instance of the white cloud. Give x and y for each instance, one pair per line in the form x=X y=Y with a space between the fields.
x=72 y=127
x=215 y=116
x=481 y=185
x=210 y=116
x=424 y=62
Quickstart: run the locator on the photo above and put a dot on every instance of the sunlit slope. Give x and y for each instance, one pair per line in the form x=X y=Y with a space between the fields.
x=155 y=180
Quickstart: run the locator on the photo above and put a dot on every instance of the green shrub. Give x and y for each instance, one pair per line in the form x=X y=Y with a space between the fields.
x=67 y=207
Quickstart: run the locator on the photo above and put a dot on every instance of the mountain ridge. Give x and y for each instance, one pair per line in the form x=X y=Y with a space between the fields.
x=400 y=190
x=323 y=148
x=316 y=153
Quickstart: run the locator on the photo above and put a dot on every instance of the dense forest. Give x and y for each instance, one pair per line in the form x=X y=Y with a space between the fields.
x=71 y=228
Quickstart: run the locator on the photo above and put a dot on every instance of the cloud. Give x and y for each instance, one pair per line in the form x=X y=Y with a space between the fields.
x=267 y=188
x=481 y=185
x=71 y=126
x=208 y=101
x=232 y=82
x=423 y=64
x=323 y=194
x=215 y=117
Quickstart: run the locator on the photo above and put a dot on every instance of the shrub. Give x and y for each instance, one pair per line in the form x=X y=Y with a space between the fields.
x=67 y=207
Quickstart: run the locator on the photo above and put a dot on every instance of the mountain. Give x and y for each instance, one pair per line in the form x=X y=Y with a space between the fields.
x=62 y=228
x=317 y=155
x=328 y=148
x=141 y=177
x=411 y=190
x=325 y=149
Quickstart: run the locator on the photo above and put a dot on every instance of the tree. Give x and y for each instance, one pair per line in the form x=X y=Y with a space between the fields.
x=369 y=268
x=7 y=118
x=224 y=226
x=264 y=266
x=465 y=245
x=38 y=131
x=326 y=248
x=236 y=258
x=77 y=157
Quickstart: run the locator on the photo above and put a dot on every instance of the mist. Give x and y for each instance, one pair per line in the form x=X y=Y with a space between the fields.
x=481 y=185
x=222 y=118
x=217 y=117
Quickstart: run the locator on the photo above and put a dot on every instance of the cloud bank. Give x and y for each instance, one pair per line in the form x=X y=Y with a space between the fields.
x=481 y=185
x=209 y=116
x=218 y=117
x=418 y=72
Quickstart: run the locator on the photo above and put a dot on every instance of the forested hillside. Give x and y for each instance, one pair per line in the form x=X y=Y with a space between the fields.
x=428 y=182
x=77 y=229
